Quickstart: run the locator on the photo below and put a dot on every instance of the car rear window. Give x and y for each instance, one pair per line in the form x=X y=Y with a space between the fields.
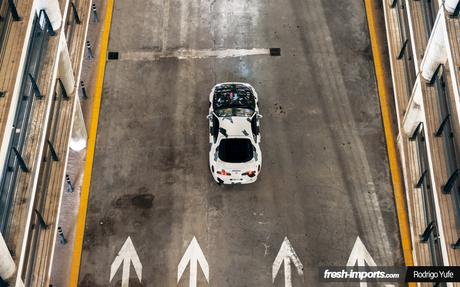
x=235 y=150
x=233 y=96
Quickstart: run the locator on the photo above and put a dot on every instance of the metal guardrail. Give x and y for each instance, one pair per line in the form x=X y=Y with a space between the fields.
x=73 y=18
x=28 y=94
x=50 y=156
x=406 y=52
x=452 y=185
x=8 y=14
x=431 y=234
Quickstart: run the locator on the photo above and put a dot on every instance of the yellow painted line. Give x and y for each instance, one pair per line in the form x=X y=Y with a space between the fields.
x=80 y=228
x=389 y=135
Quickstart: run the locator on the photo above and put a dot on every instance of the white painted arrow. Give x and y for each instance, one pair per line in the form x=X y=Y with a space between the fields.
x=194 y=255
x=360 y=256
x=286 y=255
x=126 y=255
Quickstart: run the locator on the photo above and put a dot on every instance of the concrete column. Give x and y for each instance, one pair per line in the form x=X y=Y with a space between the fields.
x=435 y=53
x=7 y=266
x=65 y=72
x=53 y=10
x=79 y=134
x=450 y=5
x=414 y=113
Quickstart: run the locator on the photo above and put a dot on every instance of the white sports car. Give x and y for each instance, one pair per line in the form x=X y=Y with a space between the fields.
x=234 y=156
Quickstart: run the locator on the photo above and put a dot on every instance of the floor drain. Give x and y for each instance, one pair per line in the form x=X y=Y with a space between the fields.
x=113 y=56
x=275 y=51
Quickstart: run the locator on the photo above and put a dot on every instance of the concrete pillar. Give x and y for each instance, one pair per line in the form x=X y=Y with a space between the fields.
x=79 y=134
x=7 y=266
x=450 y=5
x=435 y=52
x=53 y=10
x=65 y=72
x=414 y=113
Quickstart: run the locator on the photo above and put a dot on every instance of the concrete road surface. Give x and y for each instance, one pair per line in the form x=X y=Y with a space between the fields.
x=325 y=177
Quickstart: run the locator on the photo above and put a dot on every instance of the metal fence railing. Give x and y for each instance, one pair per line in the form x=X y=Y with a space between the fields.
x=430 y=235
x=8 y=14
x=49 y=158
x=29 y=93
x=405 y=53
x=72 y=19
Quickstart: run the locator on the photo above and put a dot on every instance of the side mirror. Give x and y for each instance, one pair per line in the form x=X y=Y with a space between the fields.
x=209 y=116
x=259 y=116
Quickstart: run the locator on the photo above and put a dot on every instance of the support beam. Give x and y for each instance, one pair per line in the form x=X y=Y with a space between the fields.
x=414 y=114
x=79 y=133
x=451 y=5
x=435 y=53
x=14 y=11
x=65 y=71
x=52 y=9
x=7 y=266
x=75 y=13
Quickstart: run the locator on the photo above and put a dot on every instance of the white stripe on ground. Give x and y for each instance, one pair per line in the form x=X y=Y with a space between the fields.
x=183 y=54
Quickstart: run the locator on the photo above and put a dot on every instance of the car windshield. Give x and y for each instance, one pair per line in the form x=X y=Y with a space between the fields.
x=235 y=150
x=234 y=112
x=233 y=96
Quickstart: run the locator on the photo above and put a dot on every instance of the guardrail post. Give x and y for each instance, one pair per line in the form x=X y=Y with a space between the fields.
x=450 y=182
x=21 y=162
x=14 y=11
x=414 y=136
x=40 y=219
x=35 y=87
x=54 y=155
x=64 y=92
x=439 y=131
x=94 y=12
x=403 y=48
x=75 y=13
x=427 y=233
x=456 y=245
x=435 y=76
x=421 y=180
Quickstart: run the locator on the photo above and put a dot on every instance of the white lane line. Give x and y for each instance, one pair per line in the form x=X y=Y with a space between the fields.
x=194 y=255
x=164 y=32
x=286 y=255
x=126 y=255
x=183 y=54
